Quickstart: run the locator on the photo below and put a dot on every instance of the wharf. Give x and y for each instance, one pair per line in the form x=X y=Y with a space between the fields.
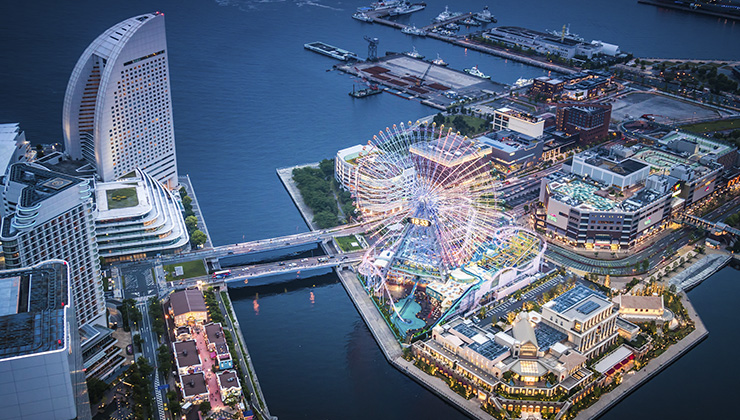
x=467 y=43
x=687 y=8
x=699 y=271
x=432 y=85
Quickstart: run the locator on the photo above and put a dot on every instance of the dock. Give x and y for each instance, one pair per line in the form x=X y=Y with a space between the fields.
x=414 y=79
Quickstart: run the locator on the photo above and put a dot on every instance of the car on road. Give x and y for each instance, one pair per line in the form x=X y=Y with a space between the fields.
x=281 y=263
x=231 y=252
x=293 y=264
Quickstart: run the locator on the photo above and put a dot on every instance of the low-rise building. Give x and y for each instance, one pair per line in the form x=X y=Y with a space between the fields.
x=187 y=358
x=194 y=389
x=626 y=329
x=511 y=151
x=217 y=344
x=640 y=307
x=586 y=316
x=228 y=383
x=187 y=307
x=548 y=43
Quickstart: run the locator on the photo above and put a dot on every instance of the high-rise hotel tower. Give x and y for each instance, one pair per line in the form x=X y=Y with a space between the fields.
x=117 y=109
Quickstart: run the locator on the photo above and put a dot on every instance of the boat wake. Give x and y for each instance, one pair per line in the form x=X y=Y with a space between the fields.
x=301 y=3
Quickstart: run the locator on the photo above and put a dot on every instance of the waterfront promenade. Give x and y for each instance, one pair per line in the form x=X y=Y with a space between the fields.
x=634 y=380
x=286 y=177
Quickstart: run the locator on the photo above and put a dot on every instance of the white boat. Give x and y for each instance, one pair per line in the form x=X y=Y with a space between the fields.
x=477 y=73
x=485 y=16
x=439 y=61
x=470 y=22
x=452 y=27
x=413 y=30
x=446 y=15
x=521 y=82
x=406 y=7
x=362 y=17
x=445 y=32
x=565 y=33
x=413 y=53
x=380 y=5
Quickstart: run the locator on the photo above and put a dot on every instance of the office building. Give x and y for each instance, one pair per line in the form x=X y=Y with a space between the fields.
x=49 y=215
x=137 y=218
x=41 y=374
x=511 y=151
x=117 y=108
x=589 y=121
x=14 y=147
x=517 y=120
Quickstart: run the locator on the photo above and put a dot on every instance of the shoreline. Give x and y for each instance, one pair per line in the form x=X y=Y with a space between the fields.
x=393 y=351
x=286 y=178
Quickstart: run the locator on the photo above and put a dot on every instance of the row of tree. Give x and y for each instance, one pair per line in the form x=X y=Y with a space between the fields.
x=197 y=237
x=315 y=185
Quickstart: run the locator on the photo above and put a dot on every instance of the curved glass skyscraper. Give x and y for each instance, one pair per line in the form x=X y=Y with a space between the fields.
x=117 y=109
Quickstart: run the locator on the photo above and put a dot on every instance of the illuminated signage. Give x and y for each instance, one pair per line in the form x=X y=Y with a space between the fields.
x=676 y=190
x=552 y=218
x=419 y=222
x=648 y=220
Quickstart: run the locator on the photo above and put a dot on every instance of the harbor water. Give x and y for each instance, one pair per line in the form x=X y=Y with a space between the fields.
x=248 y=99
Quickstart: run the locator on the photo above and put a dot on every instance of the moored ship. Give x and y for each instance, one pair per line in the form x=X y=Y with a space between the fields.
x=331 y=51
x=477 y=73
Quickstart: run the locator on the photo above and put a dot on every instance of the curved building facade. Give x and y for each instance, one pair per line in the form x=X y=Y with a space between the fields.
x=117 y=109
x=137 y=218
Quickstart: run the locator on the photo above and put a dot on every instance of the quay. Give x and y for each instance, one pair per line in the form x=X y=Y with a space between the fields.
x=286 y=177
x=467 y=43
x=185 y=183
x=686 y=8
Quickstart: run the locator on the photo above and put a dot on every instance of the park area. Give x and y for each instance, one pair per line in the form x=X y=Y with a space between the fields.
x=186 y=270
x=349 y=243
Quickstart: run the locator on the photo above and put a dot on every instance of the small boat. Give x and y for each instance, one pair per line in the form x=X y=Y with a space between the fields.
x=380 y=5
x=413 y=53
x=439 y=61
x=470 y=22
x=413 y=30
x=477 y=73
x=406 y=7
x=363 y=93
x=452 y=27
x=362 y=17
x=485 y=16
x=521 y=82
x=445 y=32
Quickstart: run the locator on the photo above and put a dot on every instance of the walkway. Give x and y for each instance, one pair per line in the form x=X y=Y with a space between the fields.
x=214 y=394
x=286 y=177
x=185 y=182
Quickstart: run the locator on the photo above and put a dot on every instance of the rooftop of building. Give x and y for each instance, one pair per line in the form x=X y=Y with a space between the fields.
x=601 y=158
x=57 y=162
x=40 y=182
x=215 y=335
x=519 y=114
x=10 y=137
x=666 y=160
x=186 y=353
x=639 y=302
x=121 y=199
x=228 y=379
x=450 y=150
x=193 y=384
x=188 y=300
x=706 y=145
x=32 y=310
x=532 y=34
x=578 y=302
x=91 y=334
x=508 y=141
x=351 y=154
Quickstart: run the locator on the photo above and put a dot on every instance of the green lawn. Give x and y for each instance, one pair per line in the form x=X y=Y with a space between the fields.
x=121 y=198
x=190 y=269
x=720 y=125
x=346 y=243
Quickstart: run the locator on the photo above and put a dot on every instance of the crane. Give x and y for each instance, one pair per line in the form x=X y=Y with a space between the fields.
x=423 y=76
x=372 y=48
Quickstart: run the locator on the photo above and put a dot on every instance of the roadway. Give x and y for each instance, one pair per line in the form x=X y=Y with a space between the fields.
x=247 y=272
x=149 y=346
x=259 y=245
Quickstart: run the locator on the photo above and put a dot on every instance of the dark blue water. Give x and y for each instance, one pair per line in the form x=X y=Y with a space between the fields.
x=248 y=99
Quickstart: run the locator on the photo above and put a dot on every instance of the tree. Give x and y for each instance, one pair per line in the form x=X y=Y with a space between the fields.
x=205 y=407
x=187 y=201
x=325 y=219
x=144 y=367
x=198 y=238
x=191 y=222
x=96 y=388
x=327 y=167
x=137 y=341
x=164 y=360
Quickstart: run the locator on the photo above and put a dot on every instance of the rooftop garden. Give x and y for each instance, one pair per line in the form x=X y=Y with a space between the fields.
x=121 y=198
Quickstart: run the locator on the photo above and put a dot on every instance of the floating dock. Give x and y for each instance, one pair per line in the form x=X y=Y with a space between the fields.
x=331 y=51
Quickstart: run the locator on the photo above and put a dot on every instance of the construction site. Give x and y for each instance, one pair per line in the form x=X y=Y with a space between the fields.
x=412 y=78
